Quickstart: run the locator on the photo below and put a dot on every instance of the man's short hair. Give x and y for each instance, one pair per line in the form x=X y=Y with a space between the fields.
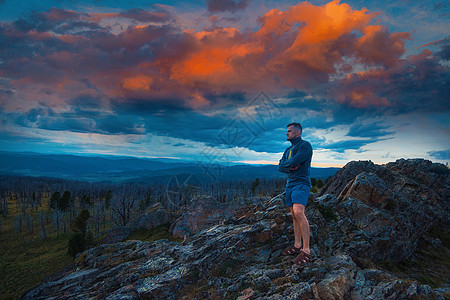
x=296 y=126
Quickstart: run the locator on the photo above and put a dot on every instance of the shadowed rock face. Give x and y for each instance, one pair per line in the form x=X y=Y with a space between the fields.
x=366 y=213
x=404 y=178
x=392 y=205
x=204 y=213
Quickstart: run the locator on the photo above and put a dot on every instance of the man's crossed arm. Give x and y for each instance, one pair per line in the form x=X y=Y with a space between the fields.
x=292 y=164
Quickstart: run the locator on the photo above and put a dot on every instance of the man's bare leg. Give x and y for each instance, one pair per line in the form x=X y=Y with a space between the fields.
x=299 y=215
x=297 y=230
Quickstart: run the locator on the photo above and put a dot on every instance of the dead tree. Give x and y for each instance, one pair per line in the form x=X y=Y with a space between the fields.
x=121 y=209
x=42 y=221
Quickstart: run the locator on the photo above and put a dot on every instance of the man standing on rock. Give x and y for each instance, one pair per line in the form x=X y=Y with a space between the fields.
x=296 y=163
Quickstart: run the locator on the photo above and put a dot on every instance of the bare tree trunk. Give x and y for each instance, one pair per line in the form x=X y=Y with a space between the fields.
x=18 y=223
x=56 y=220
x=29 y=219
x=42 y=220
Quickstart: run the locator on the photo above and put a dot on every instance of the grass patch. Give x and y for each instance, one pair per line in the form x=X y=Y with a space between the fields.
x=327 y=213
x=150 y=235
x=431 y=265
x=391 y=204
x=27 y=260
x=199 y=290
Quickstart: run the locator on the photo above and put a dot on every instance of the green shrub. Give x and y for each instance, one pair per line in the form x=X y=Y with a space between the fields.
x=327 y=213
x=80 y=238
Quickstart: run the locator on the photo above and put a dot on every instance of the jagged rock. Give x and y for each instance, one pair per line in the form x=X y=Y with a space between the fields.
x=383 y=210
x=412 y=178
x=204 y=213
x=154 y=217
x=434 y=175
x=239 y=256
x=345 y=175
x=302 y=290
x=367 y=187
x=116 y=234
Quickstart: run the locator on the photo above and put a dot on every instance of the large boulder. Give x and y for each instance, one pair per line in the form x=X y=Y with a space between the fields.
x=153 y=217
x=411 y=179
x=433 y=175
x=369 y=188
x=203 y=213
x=386 y=209
x=346 y=174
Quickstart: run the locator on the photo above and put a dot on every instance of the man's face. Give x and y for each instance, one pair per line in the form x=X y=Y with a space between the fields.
x=292 y=133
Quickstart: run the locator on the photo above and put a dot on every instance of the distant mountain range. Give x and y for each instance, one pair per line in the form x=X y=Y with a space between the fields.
x=130 y=169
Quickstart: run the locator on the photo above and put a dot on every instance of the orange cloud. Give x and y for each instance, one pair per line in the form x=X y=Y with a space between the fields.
x=40 y=36
x=297 y=48
x=362 y=98
x=213 y=62
x=318 y=23
x=71 y=39
x=136 y=14
x=318 y=34
x=97 y=17
x=139 y=82
x=377 y=46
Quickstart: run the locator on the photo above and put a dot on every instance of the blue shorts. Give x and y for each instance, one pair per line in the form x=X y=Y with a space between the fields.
x=297 y=194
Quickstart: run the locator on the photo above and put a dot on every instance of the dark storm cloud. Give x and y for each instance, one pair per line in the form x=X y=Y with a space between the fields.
x=120 y=125
x=165 y=117
x=417 y=83
x=86 y=102
x=441 y=155
x=444 y=52
x=219 y=130
x=368 y=130
x=108 y=125
x=227 y=5
x=77 y=120
x=187 y=125
x=55 y=19
x=143 y=15
x=298 y=103
x=81 y=125
x=342 y=146
x=140 y=107
x=328 y=113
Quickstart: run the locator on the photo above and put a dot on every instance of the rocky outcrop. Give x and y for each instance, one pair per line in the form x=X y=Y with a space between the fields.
x=411 y=179
x=433 y=175
x=391 y=205
x=154 y=216
x=239 y=257
x=203 y=213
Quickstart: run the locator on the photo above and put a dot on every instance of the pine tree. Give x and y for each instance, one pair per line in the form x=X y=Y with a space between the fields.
x=80 y=238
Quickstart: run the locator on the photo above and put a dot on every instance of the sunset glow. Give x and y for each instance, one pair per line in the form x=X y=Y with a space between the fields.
x=182 y=77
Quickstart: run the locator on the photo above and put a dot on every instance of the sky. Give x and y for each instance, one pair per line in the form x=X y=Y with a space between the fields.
x=218 y=81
